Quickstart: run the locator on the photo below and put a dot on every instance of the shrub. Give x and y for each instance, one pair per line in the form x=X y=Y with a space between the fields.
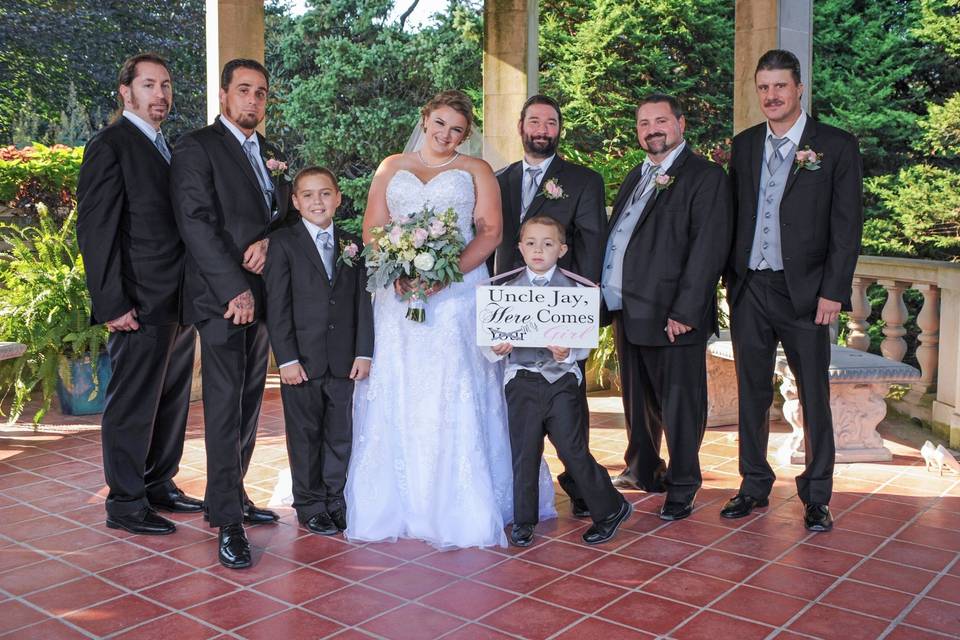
x=39 y=174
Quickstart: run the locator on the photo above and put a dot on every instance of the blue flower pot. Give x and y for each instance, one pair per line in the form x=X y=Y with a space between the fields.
x=79 y=393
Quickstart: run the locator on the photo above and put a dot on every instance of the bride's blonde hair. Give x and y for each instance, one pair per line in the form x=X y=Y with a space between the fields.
x=456 y=100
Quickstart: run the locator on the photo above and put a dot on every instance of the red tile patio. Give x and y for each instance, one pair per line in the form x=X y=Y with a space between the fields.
x=888 y=570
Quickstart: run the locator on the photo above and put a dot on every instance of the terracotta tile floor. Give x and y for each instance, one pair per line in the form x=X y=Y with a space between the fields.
x=889 y=569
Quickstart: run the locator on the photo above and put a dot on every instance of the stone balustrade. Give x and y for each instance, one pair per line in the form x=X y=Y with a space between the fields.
x=935 y=397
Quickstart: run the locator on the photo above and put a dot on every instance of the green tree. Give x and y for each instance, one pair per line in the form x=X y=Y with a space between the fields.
x=599 y=57
x=348 y=82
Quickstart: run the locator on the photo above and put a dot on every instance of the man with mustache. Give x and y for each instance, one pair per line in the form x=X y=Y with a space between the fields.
x=798 y=202
x=133 y=258
x=544 y=184
x=230 y=191
x=667 y=245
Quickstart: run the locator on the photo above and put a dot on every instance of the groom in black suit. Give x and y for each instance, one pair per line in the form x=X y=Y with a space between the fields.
x=798 y=202
x=229 y=192
x=133 y=258
x=544 y=184
x=668 y=242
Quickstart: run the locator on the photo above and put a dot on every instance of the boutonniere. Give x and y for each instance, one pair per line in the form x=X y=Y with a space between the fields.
x=808 y=159
x=552 y=190
x=348 y=251
x=662 y=182
x=277 y=168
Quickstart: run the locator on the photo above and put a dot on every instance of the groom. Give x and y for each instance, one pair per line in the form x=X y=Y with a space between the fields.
x=544 y=184
x=227 y=201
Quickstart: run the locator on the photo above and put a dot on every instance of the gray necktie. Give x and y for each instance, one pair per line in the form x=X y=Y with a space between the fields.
x=325 y=245
x=265 y=185
x=162 y=147
x=530 y=190
x=540 y=281
x=776 y=158
x=648 y=173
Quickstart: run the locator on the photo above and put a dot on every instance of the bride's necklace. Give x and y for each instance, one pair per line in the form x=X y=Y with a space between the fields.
x=456 y=154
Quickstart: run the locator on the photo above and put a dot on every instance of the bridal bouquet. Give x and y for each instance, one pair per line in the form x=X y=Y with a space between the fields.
x=424 y=247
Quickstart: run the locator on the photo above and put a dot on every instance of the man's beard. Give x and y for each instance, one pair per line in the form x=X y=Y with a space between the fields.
x=657 y=144
x=136 y=106
x=243 y=120
x=542 y=148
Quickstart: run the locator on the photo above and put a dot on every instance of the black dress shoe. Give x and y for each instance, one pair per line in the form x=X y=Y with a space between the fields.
x=253 y=514
x=741 y=505
x=676 y=509
x=234 y=549
x=339 y=517
x=521 y=535
x=816 y=517
x=145 y=522
x=579 y=508
x=624 y=481
x=322 y=524
x=176 y=501
x=604 y=530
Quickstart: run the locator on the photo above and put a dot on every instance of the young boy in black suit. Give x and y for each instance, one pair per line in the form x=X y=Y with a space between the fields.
x=542 y=387
x=320 y=321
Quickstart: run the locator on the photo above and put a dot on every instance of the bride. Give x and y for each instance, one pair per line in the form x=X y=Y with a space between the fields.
x=431 y=452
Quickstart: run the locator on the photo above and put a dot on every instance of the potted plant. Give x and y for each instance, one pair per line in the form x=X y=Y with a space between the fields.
x=44 y=304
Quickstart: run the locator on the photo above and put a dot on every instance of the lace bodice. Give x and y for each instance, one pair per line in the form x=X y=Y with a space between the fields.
x=453 y=188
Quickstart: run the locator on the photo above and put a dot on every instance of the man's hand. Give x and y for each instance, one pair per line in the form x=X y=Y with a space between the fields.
x=361 y=369
x=559 y=353
x=675 y=329
x=502 y=349
x=126 y=322
x=241 y=309
x=293 y=374
x=256 y=256
x=827 y=311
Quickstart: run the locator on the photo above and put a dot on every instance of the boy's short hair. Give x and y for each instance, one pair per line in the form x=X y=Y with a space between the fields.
x=546 y=221
x=314 y=170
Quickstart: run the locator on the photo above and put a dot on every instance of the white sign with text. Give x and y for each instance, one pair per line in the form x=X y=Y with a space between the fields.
x=538 y=316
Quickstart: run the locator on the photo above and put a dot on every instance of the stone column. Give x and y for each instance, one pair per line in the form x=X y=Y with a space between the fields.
x=510 y=65
x=234 y=30
x=762 y=25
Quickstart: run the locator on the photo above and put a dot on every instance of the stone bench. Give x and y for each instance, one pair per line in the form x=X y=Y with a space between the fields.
x=11 y=350
x=722 y=389
x=859 y=383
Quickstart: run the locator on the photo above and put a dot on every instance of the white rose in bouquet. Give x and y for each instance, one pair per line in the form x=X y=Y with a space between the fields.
x=424 y=262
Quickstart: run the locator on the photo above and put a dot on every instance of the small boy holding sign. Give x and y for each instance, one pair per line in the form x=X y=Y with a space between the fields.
x=543 y=398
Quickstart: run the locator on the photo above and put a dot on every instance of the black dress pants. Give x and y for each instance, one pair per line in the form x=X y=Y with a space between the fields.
x=233 y=363
x=565 y=480
x=536 y=408
x=318 y=415
x=664 y=391
x=145 y=417
x=761 y=317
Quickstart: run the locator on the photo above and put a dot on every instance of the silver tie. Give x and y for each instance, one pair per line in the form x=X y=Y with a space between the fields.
x=162 y=147
x=530 y=190
x=325 y=245
x=540 y=281
x=265 y=185
x=648 y=173
x=776 y=158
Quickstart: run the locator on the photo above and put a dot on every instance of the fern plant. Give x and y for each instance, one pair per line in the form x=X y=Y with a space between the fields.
x=44 y=304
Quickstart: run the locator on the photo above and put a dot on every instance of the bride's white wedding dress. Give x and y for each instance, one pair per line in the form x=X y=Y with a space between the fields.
x=431 y=451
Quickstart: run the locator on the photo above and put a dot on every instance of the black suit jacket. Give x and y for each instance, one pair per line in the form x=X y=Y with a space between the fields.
x=821 y=215
x=321 y=324
x=131 y=248
x=220 y=211
x=677 y=252
x=582 y=212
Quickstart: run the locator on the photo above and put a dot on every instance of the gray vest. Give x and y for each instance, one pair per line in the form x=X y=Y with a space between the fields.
x=611 y=280
x=766 y=252
x=540 y=358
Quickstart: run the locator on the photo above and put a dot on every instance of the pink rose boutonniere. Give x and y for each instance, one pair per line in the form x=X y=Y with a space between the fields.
x=807 y=159
x=662 y=182
x=348 y=252
x=277 y=167
x=552 y=190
